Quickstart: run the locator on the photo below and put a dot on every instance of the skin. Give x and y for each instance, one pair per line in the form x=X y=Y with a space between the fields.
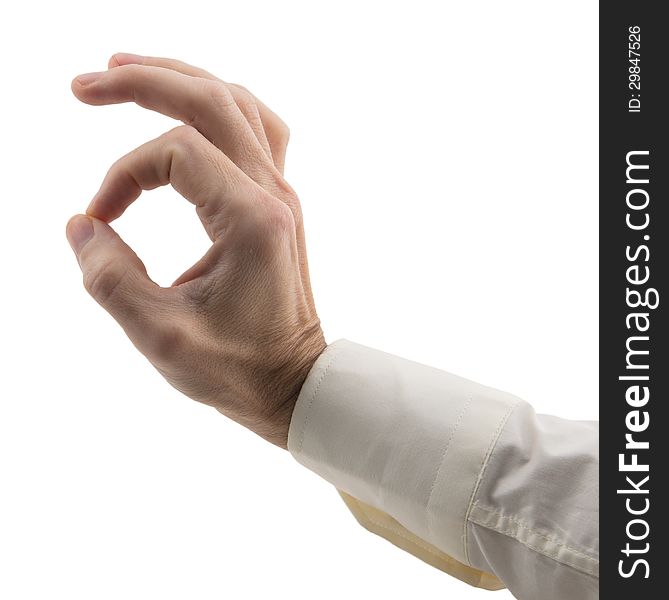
x=238 y=330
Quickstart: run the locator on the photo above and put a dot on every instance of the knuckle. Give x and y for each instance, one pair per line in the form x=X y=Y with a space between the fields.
x=104 y=282
x=217 y=93
x=184 y=143
x=289 y=198
x=167 y=343
x=132 y=78
x=281 y=215
x=246 y=103
x=249 y=110
x=269 y=219
x=185 y=135
x=274 y=217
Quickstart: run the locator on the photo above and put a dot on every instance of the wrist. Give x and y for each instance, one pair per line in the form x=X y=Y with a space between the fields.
x=275 y=425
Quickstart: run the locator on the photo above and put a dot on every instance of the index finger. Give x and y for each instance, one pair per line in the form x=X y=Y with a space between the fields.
x=272 y=131
x=195 y=168
x=204 y=104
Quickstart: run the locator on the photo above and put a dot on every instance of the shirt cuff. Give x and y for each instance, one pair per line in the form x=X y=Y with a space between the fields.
x=407 y=439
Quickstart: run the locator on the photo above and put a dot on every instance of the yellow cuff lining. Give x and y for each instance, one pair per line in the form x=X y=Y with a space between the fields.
x=384 y=525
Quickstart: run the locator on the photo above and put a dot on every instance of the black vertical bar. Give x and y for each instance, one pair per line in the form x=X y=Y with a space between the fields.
x=633 y=120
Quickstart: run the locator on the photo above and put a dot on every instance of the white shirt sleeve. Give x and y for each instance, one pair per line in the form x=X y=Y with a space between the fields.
x=466 y=477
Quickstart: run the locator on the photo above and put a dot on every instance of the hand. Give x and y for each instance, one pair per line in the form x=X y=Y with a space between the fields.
x=239 y=329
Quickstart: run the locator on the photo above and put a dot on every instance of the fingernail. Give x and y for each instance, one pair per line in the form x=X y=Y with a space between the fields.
x=79 y=230
x=125 y=58
x=87 y=78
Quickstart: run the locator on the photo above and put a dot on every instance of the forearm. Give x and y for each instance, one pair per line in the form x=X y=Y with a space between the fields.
x=467 y=470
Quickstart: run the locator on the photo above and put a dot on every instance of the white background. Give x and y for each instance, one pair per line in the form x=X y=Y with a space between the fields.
x=446 y=157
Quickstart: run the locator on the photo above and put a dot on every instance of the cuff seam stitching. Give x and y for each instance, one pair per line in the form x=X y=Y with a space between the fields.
x=313 y=398
x=482 y=469
x=456 y=427
x=590 y=554
x=573 y=558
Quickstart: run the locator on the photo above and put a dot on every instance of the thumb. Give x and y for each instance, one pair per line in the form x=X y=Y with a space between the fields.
x=115 y=276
